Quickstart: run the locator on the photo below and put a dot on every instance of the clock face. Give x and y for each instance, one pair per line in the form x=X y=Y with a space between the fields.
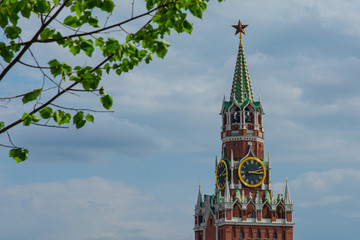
x=221 y=175
x=252 y=172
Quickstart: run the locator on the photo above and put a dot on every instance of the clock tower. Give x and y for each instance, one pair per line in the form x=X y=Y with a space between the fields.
x=243 y=205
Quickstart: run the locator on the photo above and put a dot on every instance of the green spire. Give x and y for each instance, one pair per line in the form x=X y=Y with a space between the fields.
x=241 y=90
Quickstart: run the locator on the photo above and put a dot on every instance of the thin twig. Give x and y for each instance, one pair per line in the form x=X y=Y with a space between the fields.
x=80 y=109
x=132 y=8
x=10 y=141
x=32 y=66
x=7 y=146
x=45 y=125
x=107 y=19
x=4 y=105
x=37 y=63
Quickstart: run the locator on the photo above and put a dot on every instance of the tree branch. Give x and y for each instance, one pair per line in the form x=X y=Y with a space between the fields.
x=95 y=31
x=28 y=44
x=5 y=128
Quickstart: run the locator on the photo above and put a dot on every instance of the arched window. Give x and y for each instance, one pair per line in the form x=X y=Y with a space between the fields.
x=258 y=234
x=237 y=211
x=250 y=212
x=237 y=115
x=280 y=212
x=248 y=115
x=266 y=211
x=241 y=234
x=275 y=234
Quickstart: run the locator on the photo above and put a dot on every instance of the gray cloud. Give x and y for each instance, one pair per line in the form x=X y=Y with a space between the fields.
x=93 y=208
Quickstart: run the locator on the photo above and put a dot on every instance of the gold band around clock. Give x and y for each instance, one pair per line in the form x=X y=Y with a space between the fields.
x=216 y=174
x=262 y=165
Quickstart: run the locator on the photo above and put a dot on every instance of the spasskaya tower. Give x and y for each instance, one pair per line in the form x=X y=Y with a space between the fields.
x=243 y=205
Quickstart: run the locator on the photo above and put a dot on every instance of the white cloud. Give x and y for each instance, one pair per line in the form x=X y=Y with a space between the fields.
x=323 y=187
x=93 y=208
x=332 y=15
x=324 y=201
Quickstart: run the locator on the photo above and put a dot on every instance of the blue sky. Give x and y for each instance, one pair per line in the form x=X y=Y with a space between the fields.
x=134 y=174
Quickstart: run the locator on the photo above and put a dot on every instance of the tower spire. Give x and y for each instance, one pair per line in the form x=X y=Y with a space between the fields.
x=287 y=199
x=199 y=200
x=241 y=90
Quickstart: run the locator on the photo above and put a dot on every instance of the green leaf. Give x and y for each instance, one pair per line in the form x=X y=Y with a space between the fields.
x=149 y=58
x=55 y=67
x=3 y=20
x=26 y=119
x=70 y=20
x=87 y=47
x=12 y=32
x=46 y=33
x=162 y=49
x=35 y=118
x=75 y=49
x=6 y=54
x=18 y=154
x=14 y=46
x=150 y=4
x=61 y=117
x=94 y=22
x=102 y=91
x=57 y=116
x=108 y=6
x=106 y=101
x=41 y=6
x=187 y=26
x=78 y=119
x=26 y=11
x=2 y=124
x=99 y=41
x=46 y=112
x=31 y=96
x=89 y=118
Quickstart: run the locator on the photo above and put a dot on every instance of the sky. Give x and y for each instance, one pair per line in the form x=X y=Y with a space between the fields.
x=134 y=174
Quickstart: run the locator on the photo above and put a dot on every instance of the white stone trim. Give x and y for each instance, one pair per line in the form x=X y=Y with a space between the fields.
x=239 y=138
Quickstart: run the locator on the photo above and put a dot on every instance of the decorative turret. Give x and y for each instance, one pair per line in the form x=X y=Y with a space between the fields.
x=287 y=198
x=199 y=200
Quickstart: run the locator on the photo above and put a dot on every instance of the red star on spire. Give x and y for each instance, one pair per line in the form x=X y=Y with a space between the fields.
x=239 y=28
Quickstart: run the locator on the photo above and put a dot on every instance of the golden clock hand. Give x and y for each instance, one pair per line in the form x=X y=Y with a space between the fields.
x=256 y=172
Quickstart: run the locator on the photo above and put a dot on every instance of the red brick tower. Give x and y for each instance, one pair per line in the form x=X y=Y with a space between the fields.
x=243 y=206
